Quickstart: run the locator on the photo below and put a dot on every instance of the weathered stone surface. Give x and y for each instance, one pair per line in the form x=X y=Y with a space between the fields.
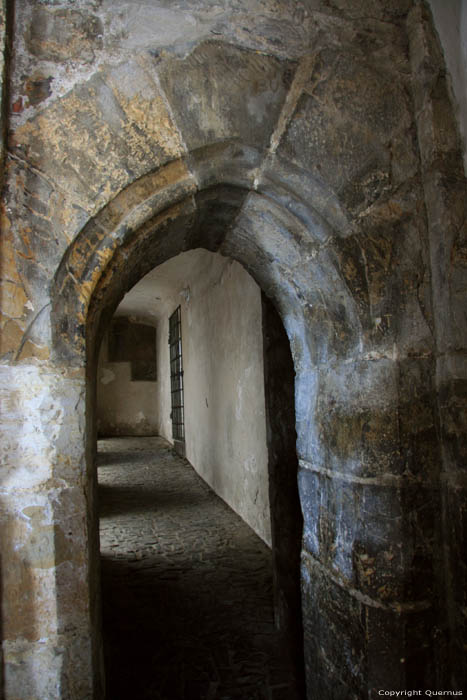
x=386 y=268
x=100 y=136
x=447 y=248
x=39 y=670
x=348 y=424
x=217 y=207
x=452 y=383
x=308 y=197
x=443 y=180
x=225 y=163
x=418 y=420
x=344 y=530
x=300 y=139
x=331 y=117
x=48 y=556
x=391 y=10
x=301 y=267
x=44 y=537
x=43 y=428
x=60 y=34
x=218 y=76
x=451 y=379
x=454 y=626
x=38 y=88
x=383 y=423
x=341 y=631
x=445 y=197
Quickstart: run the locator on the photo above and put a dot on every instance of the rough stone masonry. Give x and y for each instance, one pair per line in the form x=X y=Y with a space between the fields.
x=313 y=141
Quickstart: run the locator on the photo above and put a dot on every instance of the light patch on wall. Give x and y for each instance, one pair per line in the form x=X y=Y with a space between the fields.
x=40 y=424
x=143 y=25
x=107 y=376
x=250 y=465
x=239 y=402
x=247 y=374
x=186 y=294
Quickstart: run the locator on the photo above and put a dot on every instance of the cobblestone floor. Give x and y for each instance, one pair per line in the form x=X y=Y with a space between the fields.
x=187 y=589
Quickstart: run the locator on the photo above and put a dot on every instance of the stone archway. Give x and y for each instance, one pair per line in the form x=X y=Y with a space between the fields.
x=162 y=235
x=277 y=475
x=339 y=399
x=330 y=170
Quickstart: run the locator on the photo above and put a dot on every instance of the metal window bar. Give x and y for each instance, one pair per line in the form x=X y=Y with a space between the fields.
x=176 y=375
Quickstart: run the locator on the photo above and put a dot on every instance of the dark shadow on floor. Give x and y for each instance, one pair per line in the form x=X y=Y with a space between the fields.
x=171 y=634
x=186 y=590
x=136 y=499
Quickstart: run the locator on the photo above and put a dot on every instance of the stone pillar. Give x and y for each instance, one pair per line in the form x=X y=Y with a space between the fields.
x=446 y=209
x=370 y=501
x=47 y=639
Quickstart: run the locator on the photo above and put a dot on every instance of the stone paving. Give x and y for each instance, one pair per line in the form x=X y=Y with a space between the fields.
x=187 y=585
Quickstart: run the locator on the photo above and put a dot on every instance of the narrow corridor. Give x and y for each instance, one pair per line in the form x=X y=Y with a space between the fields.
x=187 y=585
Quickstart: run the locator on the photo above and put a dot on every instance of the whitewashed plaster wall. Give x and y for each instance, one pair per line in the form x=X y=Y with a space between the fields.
x=124 y=407
x=224 y=389
x=450 y=17
x=225 y=421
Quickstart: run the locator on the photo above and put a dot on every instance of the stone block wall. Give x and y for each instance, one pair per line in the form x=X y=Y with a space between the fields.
x=315 y=143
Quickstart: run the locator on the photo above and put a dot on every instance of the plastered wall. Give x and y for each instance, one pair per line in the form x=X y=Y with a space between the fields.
x=225 y=414
x=224 y=383
x=124 y=406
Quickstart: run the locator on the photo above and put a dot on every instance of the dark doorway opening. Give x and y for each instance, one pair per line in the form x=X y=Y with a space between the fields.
x=253 y=644
x=286 y=514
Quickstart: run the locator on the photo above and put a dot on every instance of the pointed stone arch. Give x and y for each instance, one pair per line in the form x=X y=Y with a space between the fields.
x=155 y=219
x=322 y=200
x=295 y=256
